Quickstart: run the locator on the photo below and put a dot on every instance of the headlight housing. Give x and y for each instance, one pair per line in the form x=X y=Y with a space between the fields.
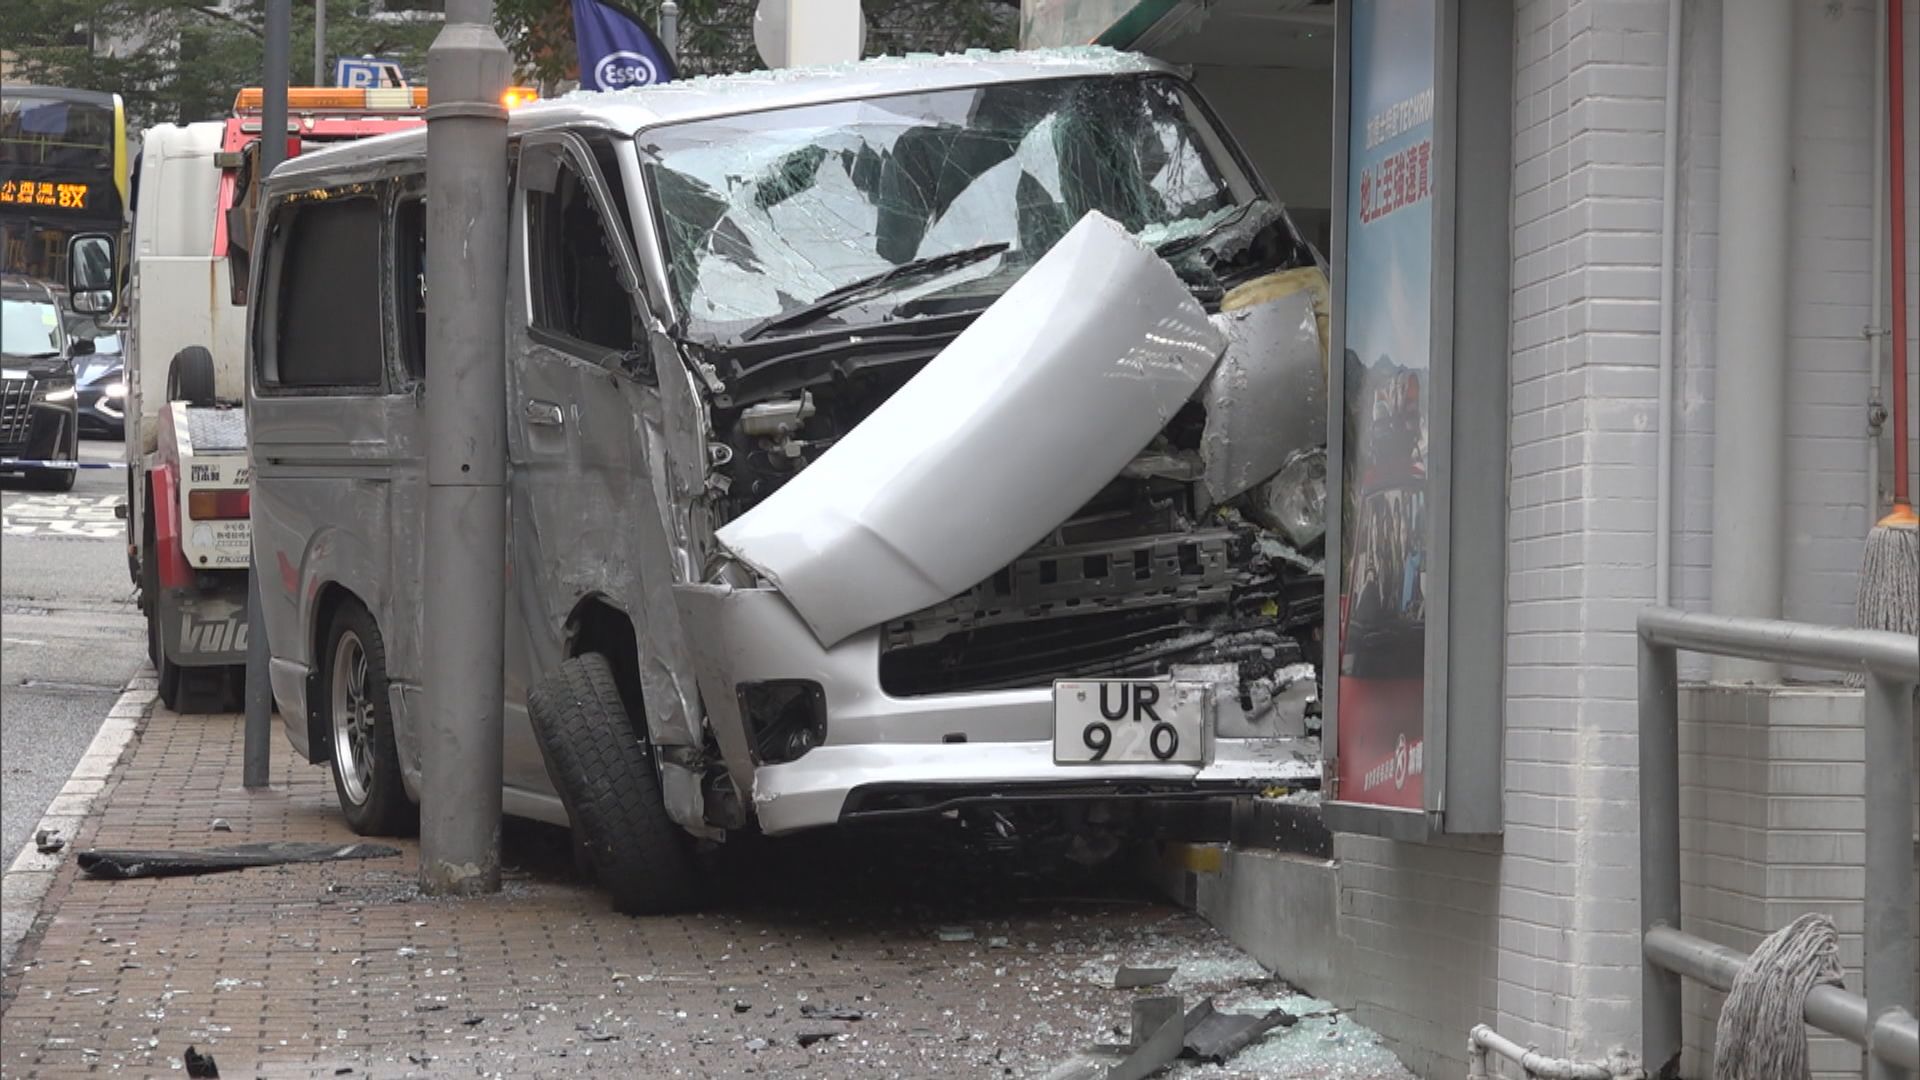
x=57 y=393
x=114 y=390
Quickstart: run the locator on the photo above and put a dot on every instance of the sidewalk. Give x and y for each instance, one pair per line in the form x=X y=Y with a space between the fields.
x=319 y=969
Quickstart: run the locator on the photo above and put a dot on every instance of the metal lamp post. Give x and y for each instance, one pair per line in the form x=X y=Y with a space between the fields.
x=467 y=68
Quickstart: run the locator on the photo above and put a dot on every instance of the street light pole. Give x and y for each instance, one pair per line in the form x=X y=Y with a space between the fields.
x=257 y=734
x=320 y=42
x=467 y=69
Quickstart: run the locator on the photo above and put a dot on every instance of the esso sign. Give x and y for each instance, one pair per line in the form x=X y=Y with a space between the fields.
x=624 y=69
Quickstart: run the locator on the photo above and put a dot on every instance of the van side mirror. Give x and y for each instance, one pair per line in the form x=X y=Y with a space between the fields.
x=90 y=279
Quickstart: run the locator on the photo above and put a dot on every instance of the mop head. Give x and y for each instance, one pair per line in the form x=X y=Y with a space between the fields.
x=1762 y=1033
x=1890 y=576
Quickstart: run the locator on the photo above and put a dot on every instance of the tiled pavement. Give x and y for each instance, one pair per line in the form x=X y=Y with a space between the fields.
x=343 y=969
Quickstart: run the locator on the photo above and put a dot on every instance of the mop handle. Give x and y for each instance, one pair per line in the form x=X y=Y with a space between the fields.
x=1897 y=165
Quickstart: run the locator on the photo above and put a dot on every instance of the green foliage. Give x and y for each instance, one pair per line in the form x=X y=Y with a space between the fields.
x=717 y=35
x=182 y=60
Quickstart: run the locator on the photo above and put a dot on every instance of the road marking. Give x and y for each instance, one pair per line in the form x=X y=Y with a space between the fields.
x=85 y=516
x=21 y=641
x=27 y=880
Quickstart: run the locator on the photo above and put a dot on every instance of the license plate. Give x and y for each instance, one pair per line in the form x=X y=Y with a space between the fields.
x=1129 y=722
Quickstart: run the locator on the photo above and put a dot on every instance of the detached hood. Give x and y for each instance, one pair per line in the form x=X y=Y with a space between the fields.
x=999 y=439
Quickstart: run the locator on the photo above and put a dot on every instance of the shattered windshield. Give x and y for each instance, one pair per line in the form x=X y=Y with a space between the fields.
x=764 y=214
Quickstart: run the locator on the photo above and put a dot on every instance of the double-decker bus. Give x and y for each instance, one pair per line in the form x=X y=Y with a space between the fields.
x=63 y=170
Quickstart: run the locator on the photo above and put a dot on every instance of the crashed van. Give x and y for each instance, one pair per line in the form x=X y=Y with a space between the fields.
x=938 y=436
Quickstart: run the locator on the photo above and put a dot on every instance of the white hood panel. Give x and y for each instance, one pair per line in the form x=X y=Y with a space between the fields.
x=1027 y=414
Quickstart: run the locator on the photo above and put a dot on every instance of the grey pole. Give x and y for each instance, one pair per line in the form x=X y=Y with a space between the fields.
x=1660 y=1005
x=1750 y=375
x=1891 y=981
x=670 y=29
x=467 y=69
x=320 y=43
x=257 y=738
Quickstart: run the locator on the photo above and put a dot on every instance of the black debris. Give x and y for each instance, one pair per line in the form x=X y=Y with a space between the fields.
x=47 y=841
x=741 y=1007
x=122 y=865
x=1129 y=978
x=429 y=1008
x=419 y=1057
x=808 y=1038
x=343 y=1070
x=594 y=1034
x=827 y=1012
x=473 y=1021
x=200 y=1065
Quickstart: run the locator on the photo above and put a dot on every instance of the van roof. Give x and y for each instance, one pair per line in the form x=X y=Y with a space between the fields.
x=710 y=96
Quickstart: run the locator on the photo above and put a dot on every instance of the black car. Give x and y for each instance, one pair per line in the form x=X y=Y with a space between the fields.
x=39 y=407
x=101 y=380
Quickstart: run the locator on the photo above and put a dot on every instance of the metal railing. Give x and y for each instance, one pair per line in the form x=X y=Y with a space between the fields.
x=1883 y=1021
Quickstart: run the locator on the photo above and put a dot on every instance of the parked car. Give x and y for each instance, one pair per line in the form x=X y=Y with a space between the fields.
x=102 y=383
x=884 y=443
x=39 y=408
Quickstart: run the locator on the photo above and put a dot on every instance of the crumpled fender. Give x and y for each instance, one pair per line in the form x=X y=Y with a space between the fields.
x=1017 y=423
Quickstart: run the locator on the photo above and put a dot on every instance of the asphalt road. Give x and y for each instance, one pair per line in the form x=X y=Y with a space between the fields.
x=70 y=634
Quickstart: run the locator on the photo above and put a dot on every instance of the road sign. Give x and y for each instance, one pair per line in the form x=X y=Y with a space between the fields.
x=367 y=71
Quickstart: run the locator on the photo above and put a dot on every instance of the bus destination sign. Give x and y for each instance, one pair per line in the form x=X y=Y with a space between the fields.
x=56 y=195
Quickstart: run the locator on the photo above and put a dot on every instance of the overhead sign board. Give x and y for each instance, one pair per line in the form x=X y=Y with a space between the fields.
x=367 y=71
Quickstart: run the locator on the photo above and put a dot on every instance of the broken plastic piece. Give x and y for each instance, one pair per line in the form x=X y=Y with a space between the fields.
x=122 y=865
x=1159 y=1047
x=1128 y=978
x=200 y=1065
x=1216 y=1036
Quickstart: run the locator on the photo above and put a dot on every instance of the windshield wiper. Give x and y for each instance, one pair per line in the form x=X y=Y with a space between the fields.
x=886 y=280
x=1180 y=244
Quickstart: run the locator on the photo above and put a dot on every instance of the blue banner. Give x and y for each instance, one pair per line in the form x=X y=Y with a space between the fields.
x=617 y=51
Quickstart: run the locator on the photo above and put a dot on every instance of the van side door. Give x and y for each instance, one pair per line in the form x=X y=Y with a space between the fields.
x=576 y=486
x=332 y=429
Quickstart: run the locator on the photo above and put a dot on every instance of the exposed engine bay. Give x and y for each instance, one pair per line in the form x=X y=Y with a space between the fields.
x=1203 y=554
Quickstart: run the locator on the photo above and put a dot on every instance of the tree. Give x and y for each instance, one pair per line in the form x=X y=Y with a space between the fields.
x=717 y=35
x=183 y=60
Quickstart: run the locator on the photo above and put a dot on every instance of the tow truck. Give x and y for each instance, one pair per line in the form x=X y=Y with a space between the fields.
x=196 y=191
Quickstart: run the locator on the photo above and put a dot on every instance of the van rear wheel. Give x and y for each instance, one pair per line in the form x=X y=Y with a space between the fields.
x=607 y=780
x=353 y=699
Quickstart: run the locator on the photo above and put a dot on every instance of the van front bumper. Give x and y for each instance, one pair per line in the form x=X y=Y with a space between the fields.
x=885 y=755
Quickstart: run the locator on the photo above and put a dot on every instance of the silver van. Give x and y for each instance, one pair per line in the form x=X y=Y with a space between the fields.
x=937 y=436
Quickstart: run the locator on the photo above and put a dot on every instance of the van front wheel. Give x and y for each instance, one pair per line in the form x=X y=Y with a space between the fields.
x=606 y=777
x=353 y=698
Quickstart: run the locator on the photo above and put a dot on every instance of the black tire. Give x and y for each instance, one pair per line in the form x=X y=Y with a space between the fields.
x=190 y=376
x=606 y=778
x=166 y=670
x=373 y=798
x=55 y=479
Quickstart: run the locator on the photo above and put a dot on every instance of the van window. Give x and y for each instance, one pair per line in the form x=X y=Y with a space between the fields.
x=576 y=289
x=327 y=305
x=410 y=278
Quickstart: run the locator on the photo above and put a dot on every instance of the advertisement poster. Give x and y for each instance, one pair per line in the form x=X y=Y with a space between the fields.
x=1389 y=329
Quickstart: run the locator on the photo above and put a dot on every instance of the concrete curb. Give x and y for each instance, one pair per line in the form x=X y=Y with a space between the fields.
x=27 y=880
